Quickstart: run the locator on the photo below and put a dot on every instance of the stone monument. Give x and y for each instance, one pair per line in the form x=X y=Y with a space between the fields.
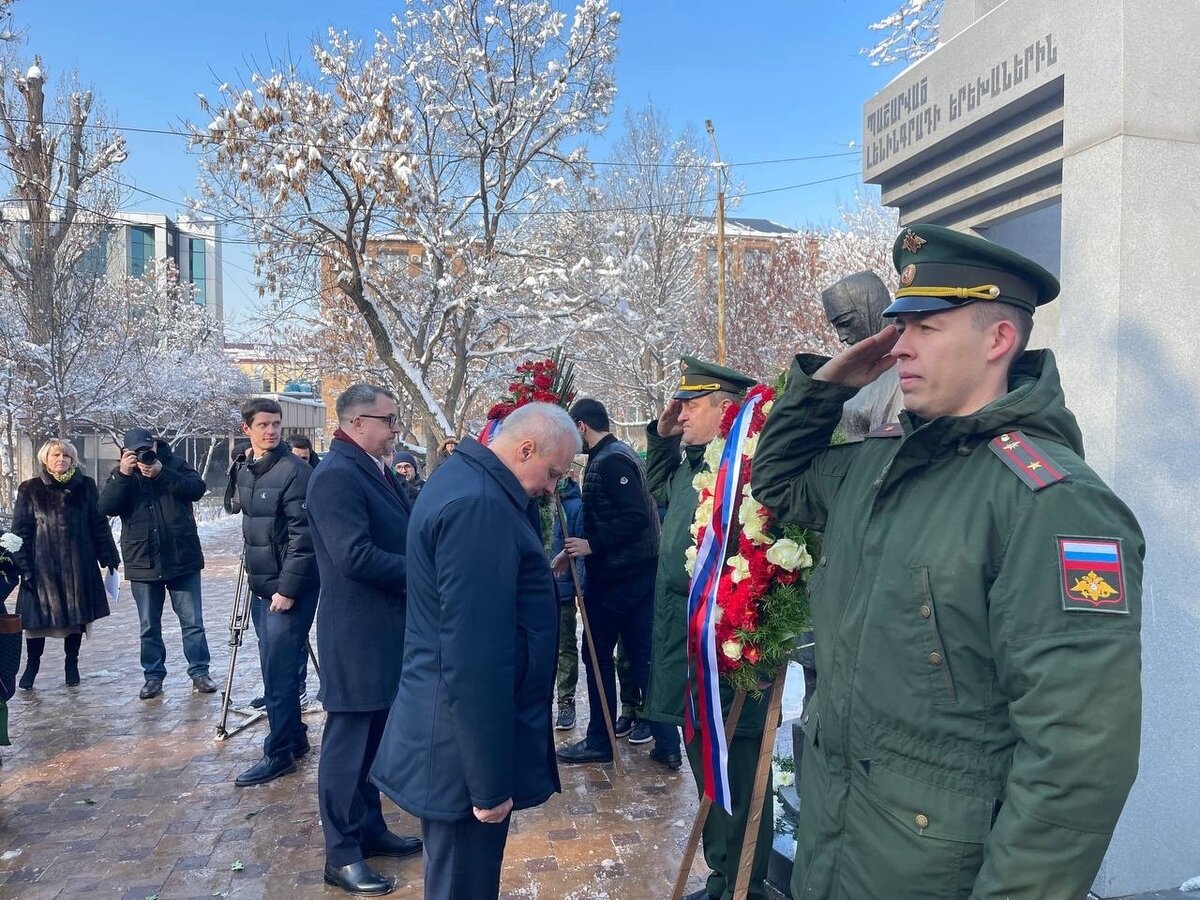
x=1070 y=132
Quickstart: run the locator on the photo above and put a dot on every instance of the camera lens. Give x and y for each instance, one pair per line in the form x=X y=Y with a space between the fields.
x=147 y=457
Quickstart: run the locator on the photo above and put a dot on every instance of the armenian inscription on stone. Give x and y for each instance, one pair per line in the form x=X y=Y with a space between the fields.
x=915 y=112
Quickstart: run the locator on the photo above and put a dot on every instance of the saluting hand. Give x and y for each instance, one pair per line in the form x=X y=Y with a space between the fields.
x=860 y=364
x=668 y=422
x=495 y=815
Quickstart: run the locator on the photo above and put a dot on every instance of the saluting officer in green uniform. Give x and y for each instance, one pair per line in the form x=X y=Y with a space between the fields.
x=977 y=608
x=693 y=418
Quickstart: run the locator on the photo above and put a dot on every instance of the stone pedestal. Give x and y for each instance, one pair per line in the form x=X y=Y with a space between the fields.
x=1070 y=131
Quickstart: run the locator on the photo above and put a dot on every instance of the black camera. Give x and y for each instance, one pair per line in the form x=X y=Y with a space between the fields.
x=147 y=457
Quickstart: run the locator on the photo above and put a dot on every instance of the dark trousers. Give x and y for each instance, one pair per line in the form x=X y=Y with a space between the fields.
x=351 y=813
x=463 y=858
x=282 y=650
x=150 y=596
x=621 y=610
x=723 y=833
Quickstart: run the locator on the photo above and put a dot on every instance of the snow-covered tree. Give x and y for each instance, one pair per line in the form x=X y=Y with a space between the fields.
x=60 y=157
x=773 y=305
x=451 y=134
x=642 y=242
x=909 y=33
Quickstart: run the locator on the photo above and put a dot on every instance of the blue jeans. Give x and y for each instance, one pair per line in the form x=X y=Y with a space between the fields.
x=150 y=597
x=283 y=657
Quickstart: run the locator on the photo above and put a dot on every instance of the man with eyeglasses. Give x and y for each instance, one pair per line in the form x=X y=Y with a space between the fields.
x=359 y=513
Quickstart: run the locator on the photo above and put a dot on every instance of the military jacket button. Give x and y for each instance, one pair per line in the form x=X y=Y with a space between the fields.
x=935 y=659
x=926 y=612
x=922 y=821
x=822 y=562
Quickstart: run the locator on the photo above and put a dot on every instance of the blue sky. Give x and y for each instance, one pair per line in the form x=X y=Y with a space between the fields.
x=779 y=79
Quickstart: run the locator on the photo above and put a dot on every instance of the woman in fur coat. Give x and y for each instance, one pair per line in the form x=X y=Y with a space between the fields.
x=65 y=540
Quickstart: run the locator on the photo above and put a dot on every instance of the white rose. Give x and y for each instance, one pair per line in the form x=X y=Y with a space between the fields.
x=712 y=454
x=10 y=542
x=789 y=555
x=752 y=516
x=704 y=481
x=732 y=650
x=704 y=511
x=740 y=568
x=689 y=559
x=785 y=779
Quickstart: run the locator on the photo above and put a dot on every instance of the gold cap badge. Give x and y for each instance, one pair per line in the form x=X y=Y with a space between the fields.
x=913 y=242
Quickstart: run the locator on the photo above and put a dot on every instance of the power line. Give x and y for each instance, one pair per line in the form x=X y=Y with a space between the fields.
x=275 y=142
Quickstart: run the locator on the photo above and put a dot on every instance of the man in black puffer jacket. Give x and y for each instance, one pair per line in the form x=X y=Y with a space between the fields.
x=153 y=490
x=268 y=486
x=620 y=549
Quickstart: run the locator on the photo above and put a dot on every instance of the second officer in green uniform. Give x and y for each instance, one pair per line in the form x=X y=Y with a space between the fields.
x=693 y=418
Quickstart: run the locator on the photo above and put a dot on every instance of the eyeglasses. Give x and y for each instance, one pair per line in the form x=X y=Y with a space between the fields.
x=391 y=420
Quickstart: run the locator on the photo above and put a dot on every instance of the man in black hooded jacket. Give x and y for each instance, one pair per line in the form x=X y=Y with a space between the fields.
x=268 y=486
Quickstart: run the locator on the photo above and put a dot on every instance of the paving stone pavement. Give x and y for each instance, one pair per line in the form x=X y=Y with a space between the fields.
x=106 y=795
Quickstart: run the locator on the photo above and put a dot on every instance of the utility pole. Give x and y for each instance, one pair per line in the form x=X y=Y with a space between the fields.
x=720 y=166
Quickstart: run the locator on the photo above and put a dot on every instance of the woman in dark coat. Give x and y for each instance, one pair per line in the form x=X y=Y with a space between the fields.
x=65 y=540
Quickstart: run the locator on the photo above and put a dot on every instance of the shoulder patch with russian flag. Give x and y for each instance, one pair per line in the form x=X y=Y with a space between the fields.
x=1027 y=460
x=1093 y=575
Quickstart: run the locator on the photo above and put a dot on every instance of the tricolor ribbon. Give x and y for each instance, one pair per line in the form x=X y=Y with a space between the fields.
x=490 y=427
x=704 y=708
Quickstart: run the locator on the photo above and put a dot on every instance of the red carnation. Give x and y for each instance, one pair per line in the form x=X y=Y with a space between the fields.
x=543 y=382
x=727 y=420
x=500 y=410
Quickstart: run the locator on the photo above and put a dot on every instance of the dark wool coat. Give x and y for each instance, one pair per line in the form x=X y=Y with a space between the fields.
x=359 y=521
x=471 y=722
x=270 y=494
x=158 y=528
x=66 y=541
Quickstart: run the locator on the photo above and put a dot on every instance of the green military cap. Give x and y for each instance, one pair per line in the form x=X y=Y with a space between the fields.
x=697 y=378
x=942 y=269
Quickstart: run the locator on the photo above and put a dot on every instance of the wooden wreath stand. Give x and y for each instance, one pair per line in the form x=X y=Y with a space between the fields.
x=753 y=821
x=587 y=634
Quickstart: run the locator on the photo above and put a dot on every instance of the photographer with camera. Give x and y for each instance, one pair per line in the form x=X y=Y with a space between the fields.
x=153 y=490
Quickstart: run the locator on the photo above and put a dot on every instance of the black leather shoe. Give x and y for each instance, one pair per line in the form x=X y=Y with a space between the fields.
x=670 y=760
x=623 y=726
x=358 y=878
x=152 y=688
x=204 y=684
x=581 y=753
x=299 y=750
x=388 y=844
x=72 y=672
x=267 y=769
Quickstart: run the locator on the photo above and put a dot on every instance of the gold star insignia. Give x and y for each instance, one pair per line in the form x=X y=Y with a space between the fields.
x=1034 y=466
x=913 y=242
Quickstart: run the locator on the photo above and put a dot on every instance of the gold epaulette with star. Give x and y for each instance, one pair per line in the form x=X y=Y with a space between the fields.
x=1027 y=460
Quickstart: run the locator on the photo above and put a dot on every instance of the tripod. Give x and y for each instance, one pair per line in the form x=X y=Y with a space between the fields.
x=239 y=619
